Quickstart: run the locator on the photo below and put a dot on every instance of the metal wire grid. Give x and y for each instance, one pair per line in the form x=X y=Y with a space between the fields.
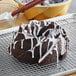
x=9 y=66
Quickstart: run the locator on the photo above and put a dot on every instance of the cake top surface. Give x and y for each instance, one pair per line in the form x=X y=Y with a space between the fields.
x=42 y=29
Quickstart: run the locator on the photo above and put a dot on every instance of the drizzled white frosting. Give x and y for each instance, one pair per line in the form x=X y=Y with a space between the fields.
x=63 y=44
x=32 y=48
x=22 y=43
x=15 y=44
x=49 y=51
x=50 y=38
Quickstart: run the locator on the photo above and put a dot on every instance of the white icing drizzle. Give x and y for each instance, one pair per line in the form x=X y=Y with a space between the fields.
x=22 y=43
x=63 y=44
x=41 y=39
x=50 y=30
x=48 y=47
x=23 y=26
x=45 y=23
x=34 y=31
x=38 y=44
x=48 y=52
x=24 y=32
x=40 y=50
x=57 y=53
x=36 y=23
x=31 y=43
x=14 y=44
x=29 y=28
x=32 y=48
x=16 y=35
x=45 y=32
x=39 y=28
x=10 y=50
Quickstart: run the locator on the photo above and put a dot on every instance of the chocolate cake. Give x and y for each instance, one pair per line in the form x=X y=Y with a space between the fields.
x=41 y=42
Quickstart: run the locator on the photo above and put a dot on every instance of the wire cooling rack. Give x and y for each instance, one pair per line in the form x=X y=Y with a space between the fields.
x=9 y=66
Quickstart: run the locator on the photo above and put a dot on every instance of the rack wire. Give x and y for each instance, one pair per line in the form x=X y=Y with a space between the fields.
x=9 y=66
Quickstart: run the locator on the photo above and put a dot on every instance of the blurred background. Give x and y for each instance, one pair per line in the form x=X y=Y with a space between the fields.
x=73 y=6
x=51 y=12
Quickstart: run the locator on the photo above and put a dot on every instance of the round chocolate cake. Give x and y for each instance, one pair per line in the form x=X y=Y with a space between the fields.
x=41 y=42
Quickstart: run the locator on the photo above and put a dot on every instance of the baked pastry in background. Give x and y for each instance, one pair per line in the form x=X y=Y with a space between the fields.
x=41 y=42
x=46 y=9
